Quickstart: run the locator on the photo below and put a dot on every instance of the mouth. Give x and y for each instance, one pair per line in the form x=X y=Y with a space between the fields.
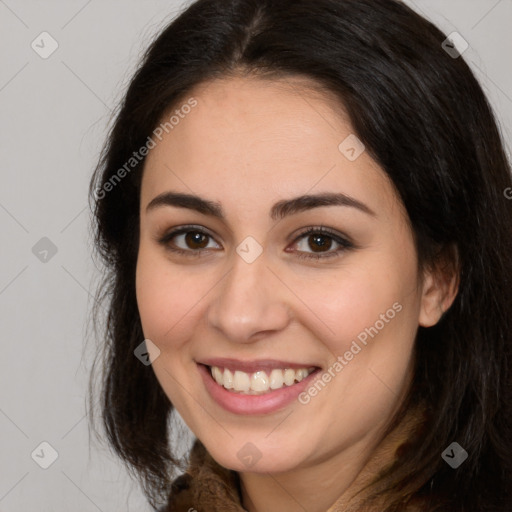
x=259 y=382
x=257 y=387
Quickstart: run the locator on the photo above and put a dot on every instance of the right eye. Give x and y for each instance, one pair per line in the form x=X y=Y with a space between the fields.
x=193 y=241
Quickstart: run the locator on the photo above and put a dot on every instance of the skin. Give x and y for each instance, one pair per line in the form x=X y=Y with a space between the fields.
x=246 y=145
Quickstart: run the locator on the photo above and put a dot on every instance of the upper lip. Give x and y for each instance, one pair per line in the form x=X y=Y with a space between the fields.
x=254 y=365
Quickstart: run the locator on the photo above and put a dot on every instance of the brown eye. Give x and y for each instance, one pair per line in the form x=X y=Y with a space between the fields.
x=319 y=243
x=186 y=240
x=196 y=240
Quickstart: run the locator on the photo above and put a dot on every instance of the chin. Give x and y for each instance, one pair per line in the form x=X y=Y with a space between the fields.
x=248 y=458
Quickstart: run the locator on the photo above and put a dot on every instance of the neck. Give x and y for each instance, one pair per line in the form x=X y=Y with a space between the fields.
x=329 y=484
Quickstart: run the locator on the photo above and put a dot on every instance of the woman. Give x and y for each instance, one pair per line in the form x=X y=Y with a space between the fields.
x=302 y=209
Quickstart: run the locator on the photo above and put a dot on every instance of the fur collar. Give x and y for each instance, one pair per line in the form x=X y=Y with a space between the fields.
x=206 y=486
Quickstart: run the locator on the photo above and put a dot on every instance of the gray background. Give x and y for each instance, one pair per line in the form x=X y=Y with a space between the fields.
x=54 y=118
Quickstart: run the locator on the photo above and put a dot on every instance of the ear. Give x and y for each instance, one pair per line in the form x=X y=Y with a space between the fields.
x=440 y=286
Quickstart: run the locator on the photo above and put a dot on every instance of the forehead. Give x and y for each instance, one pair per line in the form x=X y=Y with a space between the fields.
x=256 y=140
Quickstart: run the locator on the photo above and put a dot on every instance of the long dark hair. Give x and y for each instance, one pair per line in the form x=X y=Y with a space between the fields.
x=424 y=119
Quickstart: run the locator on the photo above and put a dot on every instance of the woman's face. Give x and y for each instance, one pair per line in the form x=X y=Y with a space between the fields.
x=250 y=289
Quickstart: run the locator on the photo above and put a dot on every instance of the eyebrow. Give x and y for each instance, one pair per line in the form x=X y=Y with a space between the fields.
x=278 y=211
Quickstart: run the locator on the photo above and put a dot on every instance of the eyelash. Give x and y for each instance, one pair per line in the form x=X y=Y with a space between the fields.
x=320 y=230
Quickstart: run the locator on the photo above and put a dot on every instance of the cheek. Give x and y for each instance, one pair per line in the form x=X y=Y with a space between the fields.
x=372 y=319
x=166 y=297
x=166 y=300
x=348 y=304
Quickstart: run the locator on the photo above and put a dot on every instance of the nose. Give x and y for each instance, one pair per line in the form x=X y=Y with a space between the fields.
x=248 y=302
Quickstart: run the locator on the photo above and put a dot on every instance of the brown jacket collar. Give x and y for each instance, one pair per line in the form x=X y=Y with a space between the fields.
x=206 y=486
x=209 y=487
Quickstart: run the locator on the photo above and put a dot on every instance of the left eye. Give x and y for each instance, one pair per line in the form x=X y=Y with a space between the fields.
x=320 y=241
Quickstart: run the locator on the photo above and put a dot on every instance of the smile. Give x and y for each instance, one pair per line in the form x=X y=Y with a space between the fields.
x=259 y=382
x=256 y=387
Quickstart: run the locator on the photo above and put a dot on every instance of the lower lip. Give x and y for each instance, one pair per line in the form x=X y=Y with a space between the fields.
x=239 y=403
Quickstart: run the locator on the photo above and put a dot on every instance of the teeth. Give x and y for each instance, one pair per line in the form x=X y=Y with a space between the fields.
x=289 y=377
x=276 y=379
x=241 y=381
x=301 y=374
x=228 y=379
x=258 y=382
x=217 y=375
